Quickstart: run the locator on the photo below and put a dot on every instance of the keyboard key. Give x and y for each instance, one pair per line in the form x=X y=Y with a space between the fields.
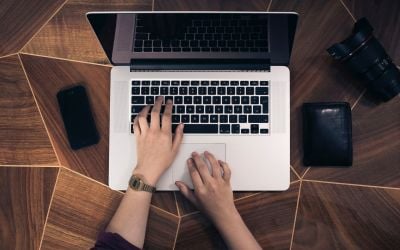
x=247 y=109
x=149 y=99
x=264 y=100
x=190 y=109
x=212 y=90
x=194 y=118
x=263 y=83
x=185 y=83
x=249 y=90
x=209 y=109
x=206 y=99
x=194 y=83
x=233 y=119
x=235 y=128
x=133 y=118
x=155 y=82
x=235 y=100
x=164 y=91
x=199 y=109
x=178 y=100
x=173 y=90
x=226 y=100
x=135 y=90
x=214 y=83
x=202 y=91
x=183 y=90
x=245 y=100
x=254 y=83
x=221 y=90
x=216 y=99
x=200 y=129
x=204 y=118
x=224 y=128
x=231 y=90
x=244 y=131
x=258 y=118
x=264 y=131
x=240 y=91
x=214 y=118
x=187 y=99
x=234 y=83
x=219 y=109
x=223 y=118
x=168 y=98
x=205 y=83
x=135 y=83
x=176 y=119
x=242 y=118
x=192 y=90
x=237 y=109
x=228 y=109
x=155 y=90
x=261 y=91
x=224 y=83
x=146 y=83
x=165 y=83
x=137 y=99
x=185 y=119
x=137 y=108
x=254 y=128
x=197 y=100
x=145 y=90
x=175 y=83
x=254 y=100
x=180 y=109
x=257 y=109
x=244 y=83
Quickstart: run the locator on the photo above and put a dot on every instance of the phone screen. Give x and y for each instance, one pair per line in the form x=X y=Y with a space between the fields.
x=77 y=117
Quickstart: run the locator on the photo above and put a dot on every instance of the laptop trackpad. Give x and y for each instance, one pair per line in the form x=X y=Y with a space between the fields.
x=179 y=167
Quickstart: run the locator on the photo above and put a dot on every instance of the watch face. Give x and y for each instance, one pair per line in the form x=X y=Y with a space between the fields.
x=136 y=183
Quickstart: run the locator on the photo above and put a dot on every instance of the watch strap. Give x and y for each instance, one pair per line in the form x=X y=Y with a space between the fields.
x=136 y=183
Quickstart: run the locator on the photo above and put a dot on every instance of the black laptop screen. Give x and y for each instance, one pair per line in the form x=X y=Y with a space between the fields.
x=126 y=36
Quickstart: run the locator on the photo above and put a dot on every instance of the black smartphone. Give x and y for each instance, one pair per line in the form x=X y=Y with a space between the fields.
x=77 y=117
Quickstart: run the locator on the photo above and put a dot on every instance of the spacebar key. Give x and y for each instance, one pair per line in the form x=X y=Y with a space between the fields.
x=200 y=128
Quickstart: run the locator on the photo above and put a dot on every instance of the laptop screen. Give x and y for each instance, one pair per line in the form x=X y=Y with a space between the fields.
x=216 y=35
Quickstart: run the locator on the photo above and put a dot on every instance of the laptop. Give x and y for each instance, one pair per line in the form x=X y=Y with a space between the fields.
x=227 y=74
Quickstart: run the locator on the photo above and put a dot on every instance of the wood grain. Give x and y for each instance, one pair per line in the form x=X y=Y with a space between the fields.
x=384 y=18
x=47 y=77
x=20 y=20
x=23 y=137
x=82 y=208
x=226 y=5
x=268 y=215
x=314 y=75
x=69 y=35
x=25 y=196
x=376 y=147
x=343 y=217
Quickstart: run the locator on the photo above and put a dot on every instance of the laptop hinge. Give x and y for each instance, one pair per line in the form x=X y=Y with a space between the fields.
x=200 y=65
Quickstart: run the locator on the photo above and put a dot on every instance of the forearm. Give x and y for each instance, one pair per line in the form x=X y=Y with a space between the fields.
x=130 y=219
x=235 y=232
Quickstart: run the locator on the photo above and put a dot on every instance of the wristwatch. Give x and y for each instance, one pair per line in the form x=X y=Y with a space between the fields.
x=136 y=183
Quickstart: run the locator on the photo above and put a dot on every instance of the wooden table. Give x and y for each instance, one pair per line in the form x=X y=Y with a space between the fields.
x=56 y=198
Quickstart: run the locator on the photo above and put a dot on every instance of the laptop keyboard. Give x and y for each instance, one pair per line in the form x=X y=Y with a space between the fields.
x=208 y=107
x=205 y=33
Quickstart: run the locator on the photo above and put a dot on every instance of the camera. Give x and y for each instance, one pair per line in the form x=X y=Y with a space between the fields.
x=363 y=54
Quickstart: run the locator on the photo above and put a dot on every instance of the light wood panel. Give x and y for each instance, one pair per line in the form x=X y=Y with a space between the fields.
x=268 y=215
x=23 y=137
x=20 y=20
x=25 y=197
x=314 y=75
x=69 y=35
x=343 y=217
x=82 y=208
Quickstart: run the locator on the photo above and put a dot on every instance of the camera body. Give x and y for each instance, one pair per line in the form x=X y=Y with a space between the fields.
x=362 y=53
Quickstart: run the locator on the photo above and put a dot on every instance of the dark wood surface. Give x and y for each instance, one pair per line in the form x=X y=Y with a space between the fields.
x=69 y=35
x=25 y=197
x=31 y=16
x=23 y=137
x=338 y=215
x=347 y=217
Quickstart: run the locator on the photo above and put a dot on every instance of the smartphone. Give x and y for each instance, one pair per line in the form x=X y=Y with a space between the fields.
x=77 y=117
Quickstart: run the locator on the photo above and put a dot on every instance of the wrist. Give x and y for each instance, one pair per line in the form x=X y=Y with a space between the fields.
x=229 y=217
x=147 y=177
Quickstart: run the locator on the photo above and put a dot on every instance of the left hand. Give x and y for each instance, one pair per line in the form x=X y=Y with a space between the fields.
x=156 y=148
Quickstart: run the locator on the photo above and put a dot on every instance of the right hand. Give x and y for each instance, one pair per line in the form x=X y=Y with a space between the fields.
x=212 y=191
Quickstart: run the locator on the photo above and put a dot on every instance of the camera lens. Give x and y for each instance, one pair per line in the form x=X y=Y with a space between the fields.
x=363 y=54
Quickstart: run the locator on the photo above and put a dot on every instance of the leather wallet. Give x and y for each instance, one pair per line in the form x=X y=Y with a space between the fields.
x=327 y=138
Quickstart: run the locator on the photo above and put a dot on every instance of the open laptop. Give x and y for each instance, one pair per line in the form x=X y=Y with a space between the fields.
x=227 y=74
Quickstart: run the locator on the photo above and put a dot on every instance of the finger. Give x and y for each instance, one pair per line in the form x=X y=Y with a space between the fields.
x=227 y=170
x=136 y=128
x=166 y=118
x=178 y=136
x=194 y=175
x=155 y=113
x=216 y=168
x=201 y=167
x=142 y=118
x=185 y=191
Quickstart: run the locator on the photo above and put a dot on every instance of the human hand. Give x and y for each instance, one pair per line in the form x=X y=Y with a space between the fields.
x=212 y=191
x=156 y=149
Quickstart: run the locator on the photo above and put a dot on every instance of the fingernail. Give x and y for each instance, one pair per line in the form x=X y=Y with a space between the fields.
x=206 y=152
x=181 y=126
x=177 y=184
x=189 y=162
x=169 y=101
x=194 y=153
x=221 y=162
